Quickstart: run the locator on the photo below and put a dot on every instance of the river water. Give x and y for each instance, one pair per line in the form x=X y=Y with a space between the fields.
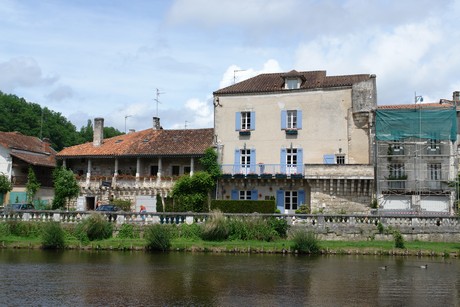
x=101 y=278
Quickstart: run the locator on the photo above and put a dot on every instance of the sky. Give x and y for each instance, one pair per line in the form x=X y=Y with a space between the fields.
x=110 y=58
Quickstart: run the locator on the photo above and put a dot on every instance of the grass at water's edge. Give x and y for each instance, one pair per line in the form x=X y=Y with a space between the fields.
x=415 y=248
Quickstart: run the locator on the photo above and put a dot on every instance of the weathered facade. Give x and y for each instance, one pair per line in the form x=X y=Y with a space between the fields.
x=416 y=157
x=18 y=152
x=135 y=166
x=299 y=137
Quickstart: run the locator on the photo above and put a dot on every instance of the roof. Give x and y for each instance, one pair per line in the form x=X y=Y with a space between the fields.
x=431 y=105
x=149 y=142
x=28 y=148
x=274 y=82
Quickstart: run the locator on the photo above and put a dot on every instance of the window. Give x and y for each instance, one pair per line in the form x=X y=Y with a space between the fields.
x=290 y=200
x=434 y=171
x=397 y=171
x=187 y=169
x=291 y=120
x=291 y=161
x=245 y=120
x=292 y=83
x=245 y=156
x=153 y=170
x=175 y=170
x=433 y=147
x=245 y=195
x=340 y=159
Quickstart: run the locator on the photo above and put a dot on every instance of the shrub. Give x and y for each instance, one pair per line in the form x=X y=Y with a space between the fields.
x=158 y=237
x=53 y=236
x=399 y=240
x=279 y=225
x=192 y=231
x=24 y=229
x=123 y=204
x=252 y=228
x=128 y=231
x=95 y=227
x=4 y=230
x=215 y=228
x=303 y=209
x=305 y=242
x=380 y=228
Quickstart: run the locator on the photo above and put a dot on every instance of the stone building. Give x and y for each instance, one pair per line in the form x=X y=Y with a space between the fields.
x=416 y=157
x=135 y=166
x=18 y=152
x=298 y=137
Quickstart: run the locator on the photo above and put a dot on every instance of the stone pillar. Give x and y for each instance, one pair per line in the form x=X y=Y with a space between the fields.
x=138 y=168
x=88 y=172
x=160 y=169
x=192 y=166
x=98 y=133
x=115 y=173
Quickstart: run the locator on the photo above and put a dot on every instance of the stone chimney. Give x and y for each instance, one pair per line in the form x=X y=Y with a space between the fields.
x=156 y=123
x=98 y=133
x=456 y=96
x=46 y=145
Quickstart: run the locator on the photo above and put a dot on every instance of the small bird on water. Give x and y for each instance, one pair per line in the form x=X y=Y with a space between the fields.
x=424 y=266
x=384 y=267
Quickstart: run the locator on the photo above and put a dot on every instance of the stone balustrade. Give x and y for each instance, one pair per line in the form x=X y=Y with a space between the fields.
x=329 y=227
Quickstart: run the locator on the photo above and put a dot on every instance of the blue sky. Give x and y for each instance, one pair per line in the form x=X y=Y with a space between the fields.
x=104 y=58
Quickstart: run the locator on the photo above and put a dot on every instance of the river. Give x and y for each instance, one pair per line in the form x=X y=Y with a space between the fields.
x=103 y=278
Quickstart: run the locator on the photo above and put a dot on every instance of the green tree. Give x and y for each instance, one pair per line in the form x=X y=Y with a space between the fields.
x=32 y=185
x=5 y=184
x=65 y=187
x=191 y=193
x=209 y=163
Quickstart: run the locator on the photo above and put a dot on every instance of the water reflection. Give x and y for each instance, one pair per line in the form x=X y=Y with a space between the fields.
x=82 y=278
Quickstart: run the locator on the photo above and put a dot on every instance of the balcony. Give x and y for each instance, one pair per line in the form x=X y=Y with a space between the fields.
x=261 y=170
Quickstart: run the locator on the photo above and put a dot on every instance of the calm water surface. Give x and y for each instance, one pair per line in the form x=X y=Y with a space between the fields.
x=82 y=278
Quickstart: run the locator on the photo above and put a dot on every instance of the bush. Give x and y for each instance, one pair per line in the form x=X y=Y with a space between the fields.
x=53 y=236
x=399 y=240
x=380 y=228
x=279 y=225
x=95 y=227
x=192 y=231
x=215 y=228
x=128 y=231
x=303 y=209
x=24 y=229
x=123 y=204
x=158 y=237
x=252 y=228
x=4 y=230
x=305 y=242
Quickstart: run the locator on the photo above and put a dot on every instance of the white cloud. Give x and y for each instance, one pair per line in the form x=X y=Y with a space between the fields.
x=22 y=72
x=235 y=74
x=61 y=93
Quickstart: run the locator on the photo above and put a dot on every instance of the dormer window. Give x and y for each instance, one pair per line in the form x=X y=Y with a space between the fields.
x=292 y=83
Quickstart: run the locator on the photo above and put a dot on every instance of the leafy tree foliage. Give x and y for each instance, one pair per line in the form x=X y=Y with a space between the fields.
x=5 y=184
x=209 y=162
x=191 y=193
x=32 y=185
x=65 y=187
x=33 y=120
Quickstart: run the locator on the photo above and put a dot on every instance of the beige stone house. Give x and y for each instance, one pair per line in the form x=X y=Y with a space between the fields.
x=298 y=137
x=135 y=166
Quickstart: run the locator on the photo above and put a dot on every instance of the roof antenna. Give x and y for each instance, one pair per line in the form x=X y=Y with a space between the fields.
x=234 y=74
x=157 y=99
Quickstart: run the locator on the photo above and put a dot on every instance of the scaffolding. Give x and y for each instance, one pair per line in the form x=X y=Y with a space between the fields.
x=415 y=158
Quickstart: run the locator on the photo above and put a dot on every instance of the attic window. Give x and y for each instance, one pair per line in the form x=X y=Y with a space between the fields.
x=292 y=83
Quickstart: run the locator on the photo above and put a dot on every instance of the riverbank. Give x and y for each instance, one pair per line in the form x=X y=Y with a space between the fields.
x=415 y=248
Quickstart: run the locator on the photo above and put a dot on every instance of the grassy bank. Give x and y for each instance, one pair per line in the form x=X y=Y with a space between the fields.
x=417 y=248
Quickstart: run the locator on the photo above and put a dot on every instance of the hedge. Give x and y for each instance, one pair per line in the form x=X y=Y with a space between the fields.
x=244 y=206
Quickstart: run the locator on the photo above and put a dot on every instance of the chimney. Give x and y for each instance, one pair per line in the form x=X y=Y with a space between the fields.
x=456 y=96
x=156 y=123
x=98 y=133
x=46 y=144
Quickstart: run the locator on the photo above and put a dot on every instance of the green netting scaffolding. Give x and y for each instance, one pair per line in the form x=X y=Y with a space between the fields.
x=421 y=123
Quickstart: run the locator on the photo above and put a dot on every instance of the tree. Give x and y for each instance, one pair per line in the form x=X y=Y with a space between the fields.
x=65 y=187
x=209 y=163
x=5 y=184
x=191 y=193
x=32 y=185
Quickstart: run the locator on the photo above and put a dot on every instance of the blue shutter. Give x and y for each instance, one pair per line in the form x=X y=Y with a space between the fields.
x=253 y=121
x=254 y=195
x=299 y=119
x=238 y=121
x=280 y=200
x=283 y=161
x=237 y=164
x=299 y=160
x=235 y=195
x=329 y=159
x=252 y=156
x=283 y=119
x=300 y=197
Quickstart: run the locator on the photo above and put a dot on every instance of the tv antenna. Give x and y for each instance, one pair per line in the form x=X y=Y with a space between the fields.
x=185 y=126
x=234 y=74
x=157 y=99
x=126 y=116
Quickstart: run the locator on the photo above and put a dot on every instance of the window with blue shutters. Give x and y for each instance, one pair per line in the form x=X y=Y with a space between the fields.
x=244 y=194
x=291 y=119
x=291 y=161
x=245 y=121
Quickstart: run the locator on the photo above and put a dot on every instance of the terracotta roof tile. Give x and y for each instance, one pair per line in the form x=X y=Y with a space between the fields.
x=149 y=142
x=274 y=82
x=28 y=148
x=430 y=105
